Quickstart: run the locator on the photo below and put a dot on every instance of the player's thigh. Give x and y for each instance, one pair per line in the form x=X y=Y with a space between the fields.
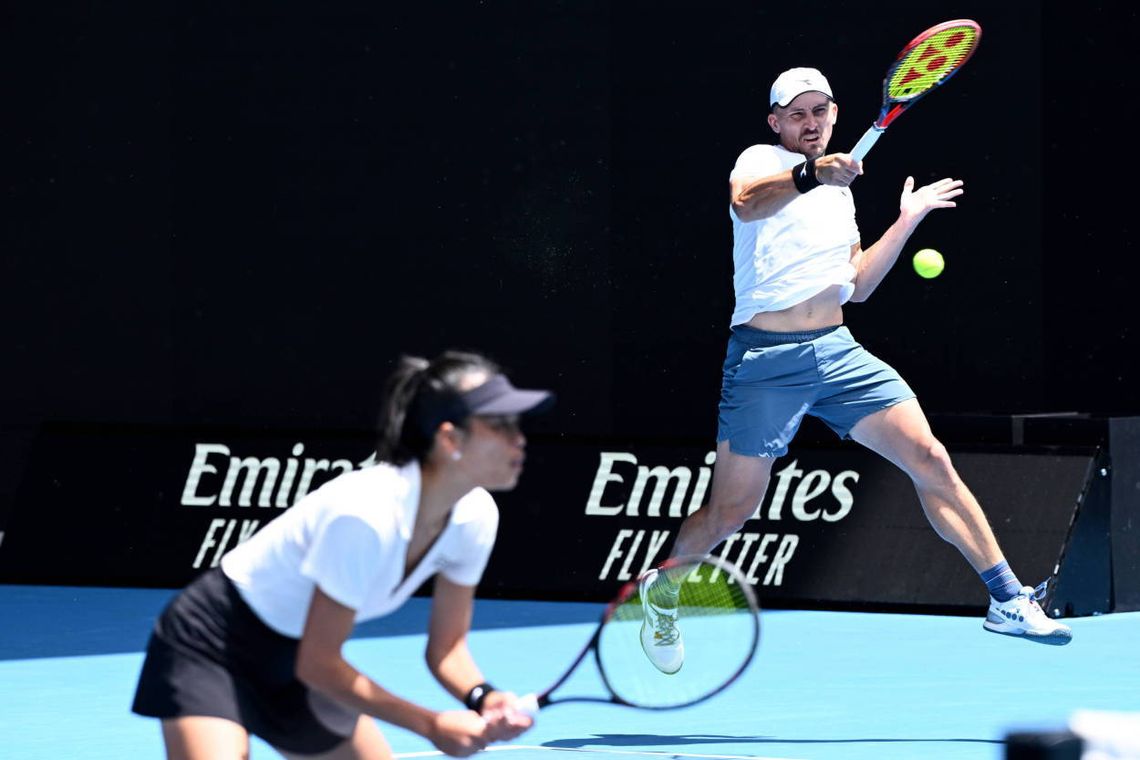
x=198 y=737
x=900 y=433
x=738 y=482
x=366 y=743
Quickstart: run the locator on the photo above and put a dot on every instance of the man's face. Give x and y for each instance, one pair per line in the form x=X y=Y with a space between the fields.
x=805 y=125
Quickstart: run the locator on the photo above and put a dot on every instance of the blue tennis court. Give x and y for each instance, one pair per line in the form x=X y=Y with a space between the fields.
x=824 y=685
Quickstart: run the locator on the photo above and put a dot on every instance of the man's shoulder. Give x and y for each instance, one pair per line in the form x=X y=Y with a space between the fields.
x=762 y=149
x=762 y=158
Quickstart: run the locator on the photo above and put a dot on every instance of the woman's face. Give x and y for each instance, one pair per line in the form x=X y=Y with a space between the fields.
x=493 y=451
x=491 y=448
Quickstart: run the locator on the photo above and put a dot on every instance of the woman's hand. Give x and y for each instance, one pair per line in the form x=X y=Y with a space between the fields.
x=505 y=720
x=459 y=733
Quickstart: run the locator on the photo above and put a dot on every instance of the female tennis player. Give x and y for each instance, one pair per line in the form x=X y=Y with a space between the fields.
x=254 y=646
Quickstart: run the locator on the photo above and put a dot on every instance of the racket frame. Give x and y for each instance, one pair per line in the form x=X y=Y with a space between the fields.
x=893 y=107
x=543 y=698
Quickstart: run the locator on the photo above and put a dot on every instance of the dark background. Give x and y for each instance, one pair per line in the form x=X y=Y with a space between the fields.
x=241 y=214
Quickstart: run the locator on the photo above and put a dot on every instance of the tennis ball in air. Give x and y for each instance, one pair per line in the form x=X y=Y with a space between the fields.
x=928 y=263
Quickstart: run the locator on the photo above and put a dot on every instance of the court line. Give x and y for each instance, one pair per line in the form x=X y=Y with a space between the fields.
x=644 y=752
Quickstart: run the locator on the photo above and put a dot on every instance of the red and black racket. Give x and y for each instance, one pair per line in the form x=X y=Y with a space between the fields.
x=928 y=61
x=718 y=619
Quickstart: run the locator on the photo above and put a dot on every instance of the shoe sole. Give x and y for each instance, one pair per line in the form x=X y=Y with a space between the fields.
x=1053 y=639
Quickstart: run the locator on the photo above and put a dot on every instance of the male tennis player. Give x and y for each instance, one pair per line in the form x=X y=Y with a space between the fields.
x=254 y=646
x=798 y=259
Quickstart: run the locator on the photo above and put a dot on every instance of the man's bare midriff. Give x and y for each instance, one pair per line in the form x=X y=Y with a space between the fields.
x=821 y=310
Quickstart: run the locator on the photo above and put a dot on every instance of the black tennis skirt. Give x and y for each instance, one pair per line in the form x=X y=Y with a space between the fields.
x=210 y=655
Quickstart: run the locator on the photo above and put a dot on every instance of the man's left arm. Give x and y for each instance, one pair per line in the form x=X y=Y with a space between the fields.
x=872 y=264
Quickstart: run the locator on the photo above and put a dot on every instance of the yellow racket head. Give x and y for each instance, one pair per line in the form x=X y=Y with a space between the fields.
x=931 y=58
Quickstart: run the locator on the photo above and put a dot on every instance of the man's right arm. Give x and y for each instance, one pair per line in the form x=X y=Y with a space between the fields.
x=758 y=197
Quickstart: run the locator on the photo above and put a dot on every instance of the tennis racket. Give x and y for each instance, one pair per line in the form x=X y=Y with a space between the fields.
x=928 y=61
x=719 y=622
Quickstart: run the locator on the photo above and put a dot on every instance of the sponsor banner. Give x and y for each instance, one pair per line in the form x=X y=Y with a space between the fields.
x=837 y=526
x=146 y=506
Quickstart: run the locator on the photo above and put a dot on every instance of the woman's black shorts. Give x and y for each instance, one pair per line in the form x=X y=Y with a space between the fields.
x=210 y=655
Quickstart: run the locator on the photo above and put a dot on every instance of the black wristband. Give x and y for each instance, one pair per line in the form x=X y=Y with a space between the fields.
x=804 y=176
x=478 y=694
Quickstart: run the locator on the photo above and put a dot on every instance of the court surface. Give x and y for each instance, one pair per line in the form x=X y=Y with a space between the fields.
x=824 y=685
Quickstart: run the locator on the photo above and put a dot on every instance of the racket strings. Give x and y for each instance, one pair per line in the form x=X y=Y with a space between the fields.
x=931 y=62
x=714 y=619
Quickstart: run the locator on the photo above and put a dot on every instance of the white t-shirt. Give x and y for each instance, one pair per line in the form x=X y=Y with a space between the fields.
x=350 y=537
x=798 y=252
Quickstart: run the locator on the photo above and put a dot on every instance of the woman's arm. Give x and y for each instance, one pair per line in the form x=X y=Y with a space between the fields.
x=321 y=666
x=451 y=662
x=447 y=654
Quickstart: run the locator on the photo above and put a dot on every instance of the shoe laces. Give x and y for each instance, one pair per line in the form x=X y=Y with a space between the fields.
x=665 y=630
x=1032 y=608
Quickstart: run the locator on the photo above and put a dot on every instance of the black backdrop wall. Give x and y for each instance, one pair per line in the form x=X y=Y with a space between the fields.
x=240 y=215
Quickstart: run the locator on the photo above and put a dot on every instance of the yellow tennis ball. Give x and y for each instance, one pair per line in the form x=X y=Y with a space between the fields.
x=928 y=263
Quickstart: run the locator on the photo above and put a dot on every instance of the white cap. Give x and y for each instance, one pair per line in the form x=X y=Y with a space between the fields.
x=795 y=82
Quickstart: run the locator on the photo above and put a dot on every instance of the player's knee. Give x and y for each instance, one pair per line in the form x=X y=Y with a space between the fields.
x=934 y=464
x=729 y=515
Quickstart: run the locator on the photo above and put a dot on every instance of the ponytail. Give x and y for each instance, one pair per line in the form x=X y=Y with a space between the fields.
x=399 y=391
x=418 y=397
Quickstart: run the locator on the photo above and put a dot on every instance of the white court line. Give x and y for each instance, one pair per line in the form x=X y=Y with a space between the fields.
x=642 y=752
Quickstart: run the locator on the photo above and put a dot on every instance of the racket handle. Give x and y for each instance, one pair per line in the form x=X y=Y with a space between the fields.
x=865 y=142
x=528 y=705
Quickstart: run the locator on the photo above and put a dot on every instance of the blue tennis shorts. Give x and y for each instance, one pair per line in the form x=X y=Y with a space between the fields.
x=772 y=379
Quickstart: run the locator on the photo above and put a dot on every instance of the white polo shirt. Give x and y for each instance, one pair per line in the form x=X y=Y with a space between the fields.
x=798 y=252
x=350 y=537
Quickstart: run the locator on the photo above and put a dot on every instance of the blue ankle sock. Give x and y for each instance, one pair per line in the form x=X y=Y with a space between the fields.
x=1001 y=581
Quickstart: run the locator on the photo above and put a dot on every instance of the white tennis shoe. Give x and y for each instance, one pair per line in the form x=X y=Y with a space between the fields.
x=1022 y=616
x=660 y=637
